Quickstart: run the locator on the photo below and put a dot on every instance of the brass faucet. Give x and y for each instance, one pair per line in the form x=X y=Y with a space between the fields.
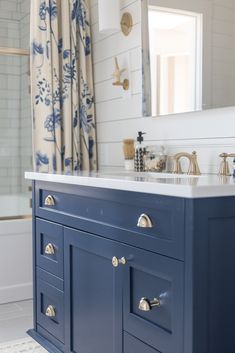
x=193 y=164
x=224 y=166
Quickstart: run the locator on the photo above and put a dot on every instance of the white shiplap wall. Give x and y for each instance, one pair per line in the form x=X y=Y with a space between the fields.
x=209 y=132
x=223 y=54
x=109 y=99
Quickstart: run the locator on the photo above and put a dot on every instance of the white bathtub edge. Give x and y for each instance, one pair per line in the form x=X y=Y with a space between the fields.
x=15 y=260
x=15 y=226
x=16 y=293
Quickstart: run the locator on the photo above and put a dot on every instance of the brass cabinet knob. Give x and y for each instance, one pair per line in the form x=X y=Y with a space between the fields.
x=50 y=311
x=49 y=201
x=144 y=221
x=116 y=262
x=49 y=249
x=147 y=305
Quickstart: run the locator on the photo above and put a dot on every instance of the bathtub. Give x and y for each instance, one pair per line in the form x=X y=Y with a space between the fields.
x=15 y=248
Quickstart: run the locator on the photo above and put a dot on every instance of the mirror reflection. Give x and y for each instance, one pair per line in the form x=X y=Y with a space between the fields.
x=189 y=55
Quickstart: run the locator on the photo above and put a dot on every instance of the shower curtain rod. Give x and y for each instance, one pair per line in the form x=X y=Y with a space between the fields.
x=14 y=51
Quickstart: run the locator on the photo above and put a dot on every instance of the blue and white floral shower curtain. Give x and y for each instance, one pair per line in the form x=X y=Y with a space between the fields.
x=62 y=86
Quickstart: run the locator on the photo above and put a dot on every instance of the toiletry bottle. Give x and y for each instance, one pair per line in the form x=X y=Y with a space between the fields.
x=234 y=168
x=163 y=159
x=139 y=153
x=129 y=153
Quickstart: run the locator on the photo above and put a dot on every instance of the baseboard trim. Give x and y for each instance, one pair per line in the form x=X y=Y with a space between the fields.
x=43 y=342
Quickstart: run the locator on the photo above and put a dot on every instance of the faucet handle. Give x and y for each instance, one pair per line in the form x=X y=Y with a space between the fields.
x=193 y=166
x=224 y=166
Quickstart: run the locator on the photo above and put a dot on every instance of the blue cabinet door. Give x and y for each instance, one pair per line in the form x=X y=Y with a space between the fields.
x=133 y=345
x=93 y=293
x=153 y=287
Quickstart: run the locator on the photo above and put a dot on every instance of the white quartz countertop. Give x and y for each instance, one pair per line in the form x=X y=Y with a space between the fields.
x=152 y=183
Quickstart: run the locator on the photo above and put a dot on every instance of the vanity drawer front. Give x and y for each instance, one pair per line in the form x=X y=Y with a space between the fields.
x=50 y=309
x=153 y=300
x=133 y=345
x=115 y=214
x=49 y=247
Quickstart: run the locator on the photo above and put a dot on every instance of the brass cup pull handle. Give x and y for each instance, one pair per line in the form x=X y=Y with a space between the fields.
x=144 y=221
x=147 y=305
x=50 y=311
x=49 y=249
x=49 y=201
x=116 y=262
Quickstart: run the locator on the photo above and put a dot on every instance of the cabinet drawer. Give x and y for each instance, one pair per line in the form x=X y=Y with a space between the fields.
x=153 y=299
x=132 y=345
x=116 y=214
x=50 y=309
x=49 y=247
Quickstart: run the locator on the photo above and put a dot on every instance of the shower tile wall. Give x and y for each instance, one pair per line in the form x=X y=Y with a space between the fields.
x=26 y=129
x=13 y=105
x=9 y=100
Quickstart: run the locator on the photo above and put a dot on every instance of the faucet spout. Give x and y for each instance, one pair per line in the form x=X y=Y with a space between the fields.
x=193 y=164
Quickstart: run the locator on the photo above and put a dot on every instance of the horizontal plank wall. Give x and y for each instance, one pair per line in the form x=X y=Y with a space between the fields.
x=209 y=133
x=110 y=103
x=223 y=55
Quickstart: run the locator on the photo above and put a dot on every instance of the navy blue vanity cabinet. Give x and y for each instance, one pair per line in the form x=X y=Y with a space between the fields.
x=50 y=247
x=150 y=277
x=103 y=284
x=49 y=283
x=98 y=288
x=114 y=214
x=93 y=290
x=210 y=275
x=133 y=345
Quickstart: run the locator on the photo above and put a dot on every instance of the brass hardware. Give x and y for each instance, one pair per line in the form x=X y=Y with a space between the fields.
x=10 y=218
x=49 y=249
x=193 y=164
x=224 y=166
x=14 y=51
x=125 y=84
x=126 y=23
x=50 y=311
x=147 y=305
x=49 y=201
x=116 y=262
x=30 y=200
x=144 y=221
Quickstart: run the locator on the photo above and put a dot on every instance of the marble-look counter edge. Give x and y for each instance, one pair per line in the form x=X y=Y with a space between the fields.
x=208 y=188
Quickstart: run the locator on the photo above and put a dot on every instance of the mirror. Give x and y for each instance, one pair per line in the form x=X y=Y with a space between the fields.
x=188 y=55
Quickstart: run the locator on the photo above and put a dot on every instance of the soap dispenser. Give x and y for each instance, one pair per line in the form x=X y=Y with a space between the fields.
x=139 y=153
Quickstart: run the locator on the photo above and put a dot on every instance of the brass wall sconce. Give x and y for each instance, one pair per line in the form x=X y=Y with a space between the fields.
x=126 y=23
x=125 y=84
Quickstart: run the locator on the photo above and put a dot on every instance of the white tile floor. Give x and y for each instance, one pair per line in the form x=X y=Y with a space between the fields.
x=15 y=320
